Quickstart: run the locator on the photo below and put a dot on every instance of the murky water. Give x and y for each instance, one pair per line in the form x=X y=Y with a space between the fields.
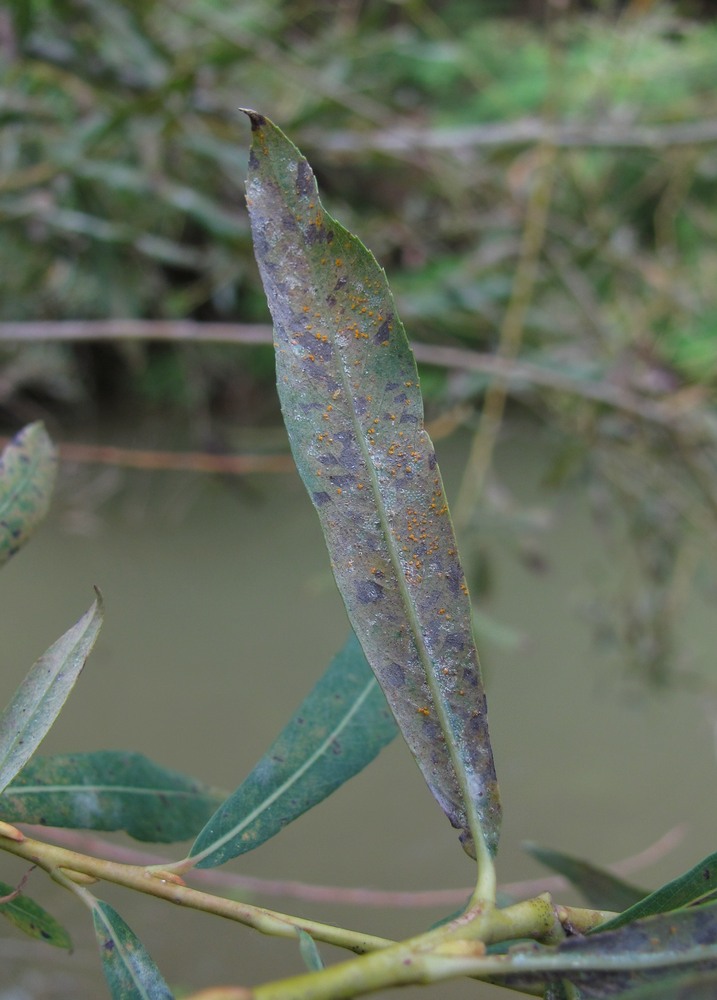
x=220 y=616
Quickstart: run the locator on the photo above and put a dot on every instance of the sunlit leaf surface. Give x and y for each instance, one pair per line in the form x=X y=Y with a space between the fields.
x=130 y=972
x=27 y=475
x=109 y=790
x=29 y=917
x=37 y=702
x=336 y=732
x=601 y=889
x=351 y=402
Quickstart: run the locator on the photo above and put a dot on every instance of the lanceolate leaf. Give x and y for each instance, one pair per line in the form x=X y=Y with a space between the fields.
x=130 y=972
x=601 y=889
x=337 y=731
x=37 y=702
x=30 y=917
x=27 y=475
x=109 y=790
x=696 y=883
x=352 y=406
x=688 y=986
x=610 y=964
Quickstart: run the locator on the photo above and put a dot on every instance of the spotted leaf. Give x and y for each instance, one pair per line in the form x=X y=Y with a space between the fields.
x=352 y=405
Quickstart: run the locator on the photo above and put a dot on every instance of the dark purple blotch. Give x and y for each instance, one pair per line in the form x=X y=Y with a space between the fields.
x=395 y=675
x=368 y=591
x=454 y=579
x=383 y=332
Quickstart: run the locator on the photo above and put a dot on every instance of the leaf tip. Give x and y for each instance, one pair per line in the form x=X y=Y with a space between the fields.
x=257 y=120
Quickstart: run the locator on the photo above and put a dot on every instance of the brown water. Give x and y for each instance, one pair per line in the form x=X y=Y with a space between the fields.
x=221 y=614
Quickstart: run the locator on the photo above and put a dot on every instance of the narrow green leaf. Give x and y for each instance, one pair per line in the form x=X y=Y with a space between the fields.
x=130 y=972
x=29 y=917
x=27 y=475
x=37 y=702
x=682 y=943
x=602 y=889
x=694 y=884
x=110 y=790
x=309 y=952
x=351 y=402
x=338 y=729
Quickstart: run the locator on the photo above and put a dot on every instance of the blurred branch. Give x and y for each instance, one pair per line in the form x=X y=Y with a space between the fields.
x=89 y=843
x=524 y=131
x=480 y=457
x=170 y=461
x=666 y=410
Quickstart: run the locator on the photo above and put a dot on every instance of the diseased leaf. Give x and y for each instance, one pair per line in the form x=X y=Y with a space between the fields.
x=694 y=884
x=30 y=917
x=130 y=972
x=611 y=963
x=27 y=475
x=601 y=889
x=689 y=986
x=110 y=790
x=351 y=402
x=37 y=702
x=338 y=729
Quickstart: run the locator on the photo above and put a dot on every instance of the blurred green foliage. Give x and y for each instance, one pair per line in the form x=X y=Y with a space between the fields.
x=122 y=160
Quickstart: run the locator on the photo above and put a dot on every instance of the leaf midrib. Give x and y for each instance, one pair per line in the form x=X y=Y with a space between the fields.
x=295 y=776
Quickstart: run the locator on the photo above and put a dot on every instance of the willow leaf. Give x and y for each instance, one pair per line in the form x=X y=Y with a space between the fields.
x=130 y=972
x=688 y=986
x=601 y=889
x=27 y=475
x=699 y=881
x=338 y=729
x=110 y=790
x=40 y=697
x=352 y=405
x=611 y=964
x=29 y=917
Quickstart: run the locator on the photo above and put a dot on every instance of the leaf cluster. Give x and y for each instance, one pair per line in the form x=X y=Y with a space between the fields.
x=350 y=398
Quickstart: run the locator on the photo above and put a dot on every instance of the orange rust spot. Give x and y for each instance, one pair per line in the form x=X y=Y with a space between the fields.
x=339 y=490
x=338 y=262
x=441 y=611
x=359 y=486
x=423 y=711
x=311 y=357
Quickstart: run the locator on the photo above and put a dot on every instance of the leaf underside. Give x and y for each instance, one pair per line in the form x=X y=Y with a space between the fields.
x=109 y=790
x=681 y=945
x=41 y=695
x=27 y=475
x=338 y=729
x=351 y=402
